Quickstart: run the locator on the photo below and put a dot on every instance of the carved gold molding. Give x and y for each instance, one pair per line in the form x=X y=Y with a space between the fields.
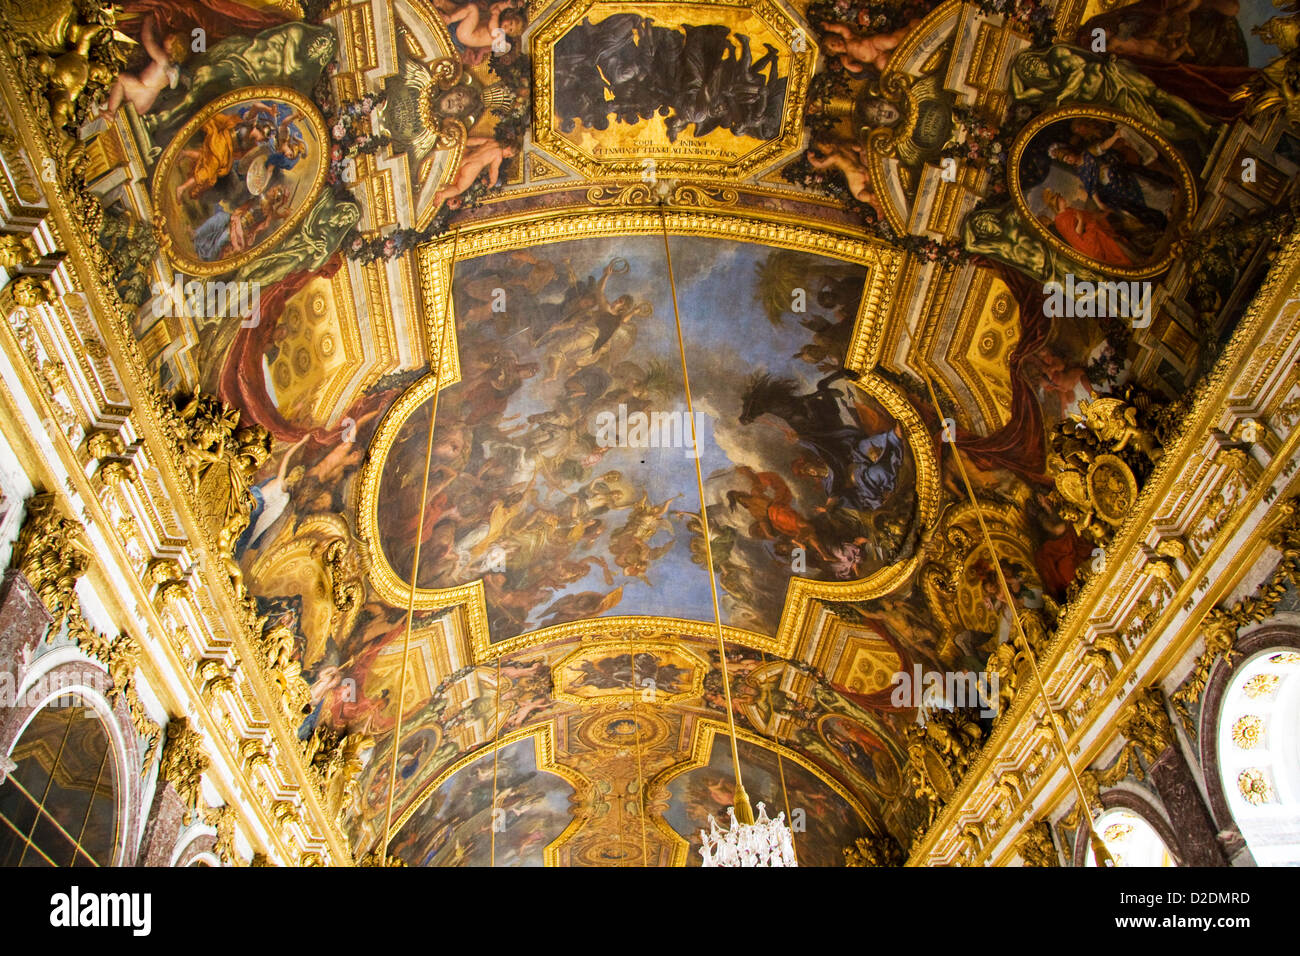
x=1108 y=611
x=204 y=620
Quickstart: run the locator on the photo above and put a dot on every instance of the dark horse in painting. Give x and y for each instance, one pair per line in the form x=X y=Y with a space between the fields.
x=816 y=413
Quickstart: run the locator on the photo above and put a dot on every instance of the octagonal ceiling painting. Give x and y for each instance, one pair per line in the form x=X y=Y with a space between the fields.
x=633 y=89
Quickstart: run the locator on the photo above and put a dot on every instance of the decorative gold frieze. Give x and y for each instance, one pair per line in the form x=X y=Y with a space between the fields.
x=675 y=194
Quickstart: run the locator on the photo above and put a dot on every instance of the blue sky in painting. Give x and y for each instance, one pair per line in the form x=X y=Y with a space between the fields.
x=721 y=315
x=728 y=336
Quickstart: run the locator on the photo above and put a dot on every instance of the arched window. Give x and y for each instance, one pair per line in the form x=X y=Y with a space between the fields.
x=1259 y=754
x=58 y=806
x=1131 y=840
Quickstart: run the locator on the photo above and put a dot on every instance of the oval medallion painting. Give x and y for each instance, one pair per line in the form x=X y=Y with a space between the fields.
x=237 y=177
x=1102 y=189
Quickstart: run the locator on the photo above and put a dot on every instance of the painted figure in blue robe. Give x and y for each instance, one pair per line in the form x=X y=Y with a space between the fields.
x=857 y=471
x=271 y=499
x=1112 y=182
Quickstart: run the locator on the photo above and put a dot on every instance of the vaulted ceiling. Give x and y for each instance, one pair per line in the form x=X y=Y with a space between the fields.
x=465 y=239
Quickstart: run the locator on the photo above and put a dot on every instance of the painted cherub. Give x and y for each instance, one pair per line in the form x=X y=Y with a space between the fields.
x=477 y=34
x=160 y=74
x=486 y=153
x=855 y=51
x=850 y=159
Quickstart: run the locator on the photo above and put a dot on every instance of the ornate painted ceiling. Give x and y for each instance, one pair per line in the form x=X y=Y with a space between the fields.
x=476 y=536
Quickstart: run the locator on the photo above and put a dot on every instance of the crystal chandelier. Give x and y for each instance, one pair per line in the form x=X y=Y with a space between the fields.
x=762 y=842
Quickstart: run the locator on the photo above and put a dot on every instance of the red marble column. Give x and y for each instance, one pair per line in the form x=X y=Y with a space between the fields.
x=1198 y=842
x=162 y=827
x=23 y=621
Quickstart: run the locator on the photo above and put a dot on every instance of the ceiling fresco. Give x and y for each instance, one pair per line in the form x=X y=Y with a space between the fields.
x=562 y=458
x=392 y=230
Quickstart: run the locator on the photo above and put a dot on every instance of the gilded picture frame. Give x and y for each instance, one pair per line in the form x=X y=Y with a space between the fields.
x=165 y=206
x=1183 y=186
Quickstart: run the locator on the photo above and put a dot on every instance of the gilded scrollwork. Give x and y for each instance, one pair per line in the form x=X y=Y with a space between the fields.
x=1145 y=722
x=337 y=759
x=675 y=194
x=51 y=554
x=184 y=762
x=1036 y=847
x=223 y=819
x=928 y=778
x=277 y=649
x=955 y=735
x=875 y=850
x=343 y=573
